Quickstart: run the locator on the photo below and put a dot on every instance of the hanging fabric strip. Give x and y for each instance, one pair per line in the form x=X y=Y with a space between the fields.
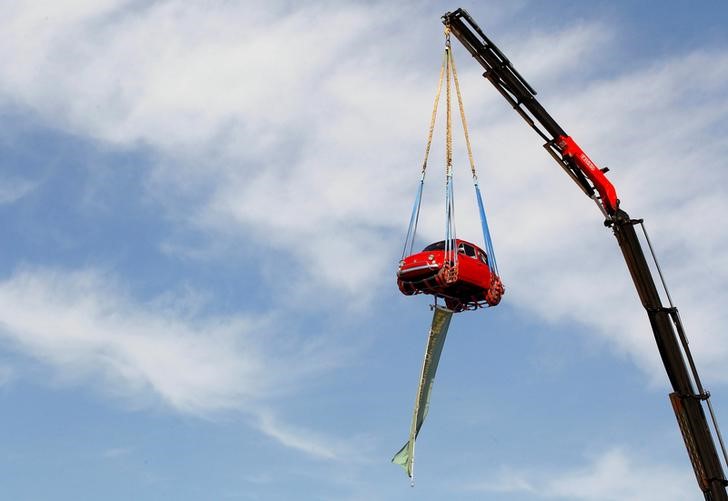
x=435 y=342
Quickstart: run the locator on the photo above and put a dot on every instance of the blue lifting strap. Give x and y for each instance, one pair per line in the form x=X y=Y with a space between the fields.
x=486 y=232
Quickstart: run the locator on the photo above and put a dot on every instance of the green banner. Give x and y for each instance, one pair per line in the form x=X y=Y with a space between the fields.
x=435 y=341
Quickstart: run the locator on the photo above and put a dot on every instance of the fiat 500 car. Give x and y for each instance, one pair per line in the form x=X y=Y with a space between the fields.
x=464 y=284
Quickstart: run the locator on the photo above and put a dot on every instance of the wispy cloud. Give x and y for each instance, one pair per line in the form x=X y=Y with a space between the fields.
x=86 y=328
x=298 y=148
x=116 y=452
x=7 y=374
x=633 y=124
x=304 y=441
x=13 y=189
x=614 y=475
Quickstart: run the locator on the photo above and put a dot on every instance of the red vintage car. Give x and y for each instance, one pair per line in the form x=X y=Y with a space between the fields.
x=466 y=283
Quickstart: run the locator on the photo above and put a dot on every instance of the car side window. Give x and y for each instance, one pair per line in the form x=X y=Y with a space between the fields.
x=483 y=257
x=466 y=249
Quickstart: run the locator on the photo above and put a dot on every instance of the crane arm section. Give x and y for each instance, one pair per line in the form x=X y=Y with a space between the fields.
x=688 y=394
x=514 y=88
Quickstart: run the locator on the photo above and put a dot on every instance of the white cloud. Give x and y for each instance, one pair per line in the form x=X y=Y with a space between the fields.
x=614 y=475
x=85 y=328
x=7 y=374
x=308 y=141
x=172 y=74
x=13 y=189
x=299 y=439
x=116 y=452
x=638 y=124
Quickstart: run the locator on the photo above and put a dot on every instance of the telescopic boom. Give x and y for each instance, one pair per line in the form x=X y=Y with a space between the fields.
x=688 y=393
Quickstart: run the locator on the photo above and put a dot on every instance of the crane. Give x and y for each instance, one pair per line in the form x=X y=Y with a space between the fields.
x=689 y=398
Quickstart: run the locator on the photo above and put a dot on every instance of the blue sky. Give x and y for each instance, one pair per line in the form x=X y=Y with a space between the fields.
x=203 y=207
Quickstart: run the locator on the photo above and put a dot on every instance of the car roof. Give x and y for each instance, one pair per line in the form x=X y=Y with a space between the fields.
x=460 y=241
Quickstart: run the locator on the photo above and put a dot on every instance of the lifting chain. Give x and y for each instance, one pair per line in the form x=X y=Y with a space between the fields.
x=433 y=118
x=448 y=71
x=462 y=117
x=448 y=123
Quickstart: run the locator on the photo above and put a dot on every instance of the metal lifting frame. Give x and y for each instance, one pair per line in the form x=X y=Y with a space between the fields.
x=666 y=325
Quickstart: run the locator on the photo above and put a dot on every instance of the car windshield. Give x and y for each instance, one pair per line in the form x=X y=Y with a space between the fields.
x=463 y=248
x=435 y=247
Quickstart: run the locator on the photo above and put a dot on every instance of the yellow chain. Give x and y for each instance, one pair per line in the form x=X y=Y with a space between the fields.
x=448 y=123
x=449 y=71
x=434 y=113
x=462 y=116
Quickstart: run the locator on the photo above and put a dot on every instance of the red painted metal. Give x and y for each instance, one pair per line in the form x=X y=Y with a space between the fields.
x=606 y=190
x=464 y=285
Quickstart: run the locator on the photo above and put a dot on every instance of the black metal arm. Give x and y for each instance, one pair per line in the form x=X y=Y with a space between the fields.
x=665 y=321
